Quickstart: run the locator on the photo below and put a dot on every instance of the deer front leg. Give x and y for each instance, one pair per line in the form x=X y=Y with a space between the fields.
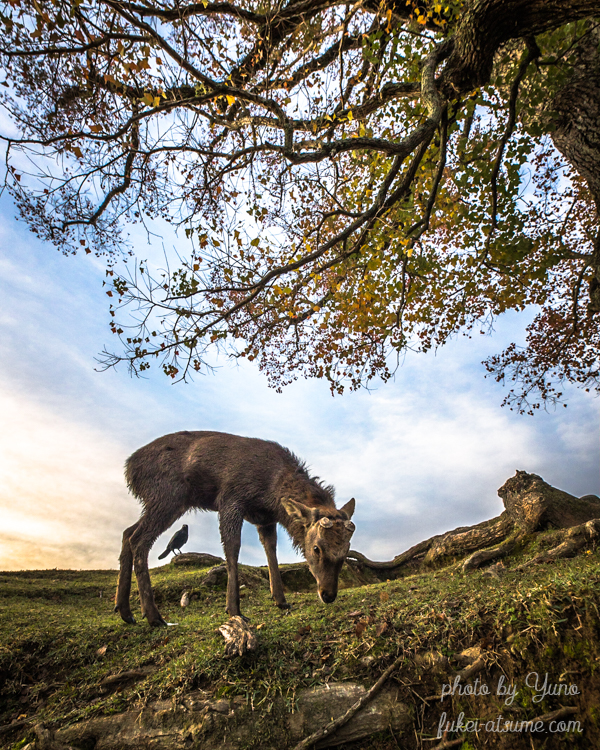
x=122 y=605
x=230 y=524
x=268 y=537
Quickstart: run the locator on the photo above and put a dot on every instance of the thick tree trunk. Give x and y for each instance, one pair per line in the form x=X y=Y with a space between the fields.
x=488 y=24
x=577 y=114
x=577 y=133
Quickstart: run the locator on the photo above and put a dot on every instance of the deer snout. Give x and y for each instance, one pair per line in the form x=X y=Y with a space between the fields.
x=327 y=596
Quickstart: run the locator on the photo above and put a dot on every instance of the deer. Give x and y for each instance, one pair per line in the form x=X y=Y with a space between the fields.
x=242 y=479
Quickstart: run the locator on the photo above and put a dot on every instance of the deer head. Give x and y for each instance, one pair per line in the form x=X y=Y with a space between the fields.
x=327 y=532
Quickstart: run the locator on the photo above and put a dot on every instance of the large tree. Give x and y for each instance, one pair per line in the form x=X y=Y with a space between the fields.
x=353 y=179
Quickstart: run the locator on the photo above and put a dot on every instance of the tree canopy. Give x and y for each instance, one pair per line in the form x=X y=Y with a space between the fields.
x=354 y=179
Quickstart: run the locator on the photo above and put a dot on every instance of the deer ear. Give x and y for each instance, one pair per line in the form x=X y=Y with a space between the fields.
x=348 y=509
x=297 y=510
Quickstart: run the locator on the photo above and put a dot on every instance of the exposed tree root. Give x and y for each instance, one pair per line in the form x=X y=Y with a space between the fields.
x=477 y=559
x=573 y=540
x=531 y=505
x=333 y=726
x=463 y=540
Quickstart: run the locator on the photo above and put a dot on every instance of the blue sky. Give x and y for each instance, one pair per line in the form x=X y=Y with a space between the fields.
x=422 y=454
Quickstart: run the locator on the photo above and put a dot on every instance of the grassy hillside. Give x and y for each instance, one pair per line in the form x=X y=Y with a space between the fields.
x=63 y=651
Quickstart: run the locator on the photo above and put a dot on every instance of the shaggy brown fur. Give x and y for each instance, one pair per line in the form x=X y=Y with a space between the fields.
x=243 y=479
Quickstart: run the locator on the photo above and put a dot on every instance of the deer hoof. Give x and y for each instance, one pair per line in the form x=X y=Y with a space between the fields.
x=126 y=617
x=285 y=605
x=158 y=622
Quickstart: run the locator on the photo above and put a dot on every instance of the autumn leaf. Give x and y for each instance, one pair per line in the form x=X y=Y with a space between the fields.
x=301 y=632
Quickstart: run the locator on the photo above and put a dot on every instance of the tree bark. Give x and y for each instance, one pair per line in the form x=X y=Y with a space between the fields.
x=571 y=542
x=461 y=541
x=577 y=114
x=534 y=505
x=577 y=133
x=487 y=24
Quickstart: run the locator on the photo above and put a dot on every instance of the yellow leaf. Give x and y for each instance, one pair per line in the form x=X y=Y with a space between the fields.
x=389 y=21
x=77 y=151
x=350 y=115
x=230 y=99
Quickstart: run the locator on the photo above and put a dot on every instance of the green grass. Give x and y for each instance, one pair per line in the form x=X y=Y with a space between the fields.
x=55 y=625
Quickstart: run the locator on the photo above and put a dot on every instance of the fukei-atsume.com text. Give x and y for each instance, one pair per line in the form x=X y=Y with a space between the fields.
x=500 y=725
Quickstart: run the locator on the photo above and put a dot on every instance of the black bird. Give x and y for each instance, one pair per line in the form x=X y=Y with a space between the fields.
x=178 y=539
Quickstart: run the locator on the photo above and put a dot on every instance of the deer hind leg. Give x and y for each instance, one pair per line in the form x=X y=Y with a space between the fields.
x=230 y=525
x=268 y=537
x=148 y=529
x=122 y=605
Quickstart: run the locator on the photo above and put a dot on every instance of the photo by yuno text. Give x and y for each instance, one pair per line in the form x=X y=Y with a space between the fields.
x=540 y=687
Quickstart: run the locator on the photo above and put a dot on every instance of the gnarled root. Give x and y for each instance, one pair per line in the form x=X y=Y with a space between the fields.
x=573 y=540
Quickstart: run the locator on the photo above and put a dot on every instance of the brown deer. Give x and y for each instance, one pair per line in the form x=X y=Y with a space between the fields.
x=243 y=479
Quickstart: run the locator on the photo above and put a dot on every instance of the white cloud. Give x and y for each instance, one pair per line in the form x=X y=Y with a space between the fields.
x=61 y=488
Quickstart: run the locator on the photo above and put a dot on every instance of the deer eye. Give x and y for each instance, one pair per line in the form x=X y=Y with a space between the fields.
x=316 y=550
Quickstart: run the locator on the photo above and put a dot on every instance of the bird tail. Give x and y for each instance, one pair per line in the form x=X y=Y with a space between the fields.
x=164 y=554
